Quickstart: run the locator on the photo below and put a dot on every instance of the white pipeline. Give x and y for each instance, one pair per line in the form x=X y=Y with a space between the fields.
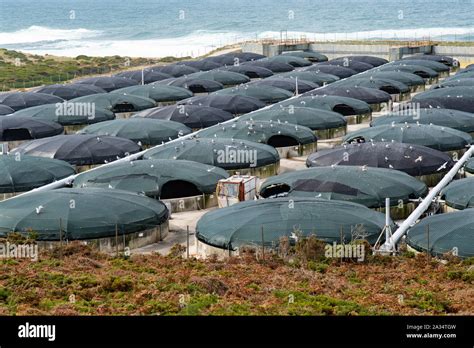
x=424 y=205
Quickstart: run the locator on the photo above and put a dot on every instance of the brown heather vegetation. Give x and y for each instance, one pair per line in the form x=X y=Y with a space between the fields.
x=85 y=282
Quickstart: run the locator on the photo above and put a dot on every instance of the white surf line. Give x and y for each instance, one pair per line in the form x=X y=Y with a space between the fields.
x=70 y=179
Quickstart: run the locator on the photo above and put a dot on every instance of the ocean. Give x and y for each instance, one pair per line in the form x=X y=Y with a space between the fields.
x=157 y=28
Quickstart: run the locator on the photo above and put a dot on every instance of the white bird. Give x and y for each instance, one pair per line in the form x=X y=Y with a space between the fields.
x=294 y=236
x=442 y=167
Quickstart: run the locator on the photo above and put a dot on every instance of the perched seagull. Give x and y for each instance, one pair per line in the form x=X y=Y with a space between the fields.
x=294 y=236
x=442 y=167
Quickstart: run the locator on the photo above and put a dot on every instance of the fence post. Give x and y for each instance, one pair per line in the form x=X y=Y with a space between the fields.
x=428 y=241
x=116 y=241
x=123 y=238
x=187 y=242
x=342 y=242
x=60 y=238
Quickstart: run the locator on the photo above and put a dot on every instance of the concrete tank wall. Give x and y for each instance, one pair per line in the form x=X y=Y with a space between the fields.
x=393 y=51
x=336 y=50
x=464 y=54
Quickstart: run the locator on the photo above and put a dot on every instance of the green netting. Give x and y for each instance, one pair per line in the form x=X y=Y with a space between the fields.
x=436 y=66
x=364 y=185
x=466 y=82
x=23 y=173
x=436 y=137
x=210 y=151
x=310 y=55
x=158 y=92
x=79 y=149
x=451 y=232
x=459 y=194
x=385 y=84
x=80 y=214
x=331 y=103
x=113 y=101
x=463 y=121
x=311 y=76
x=412 y=159
x=266 y=94
x=224 y=77
x=368 y=95
x=452 y=92
x=145 y=131
x=108 y=83
x=149 y=176
x=67 y=114
x=259 y=131
x=242 y=224
x=297 y=62
x=235 y=104
x=408 y=79
x=419 y=70
x=25 y=128
x=469 y=167
x=347 y=62
x=371 y=60
x=312 y=118
x=23 y=100
x=458 y=98
x=70 y=90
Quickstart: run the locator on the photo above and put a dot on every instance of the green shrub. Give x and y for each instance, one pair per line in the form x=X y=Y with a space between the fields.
x=317 y=266
x=4 y=294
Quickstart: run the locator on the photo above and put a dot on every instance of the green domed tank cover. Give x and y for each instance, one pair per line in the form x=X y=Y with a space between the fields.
x=150 y=176
x=314 y=119
x=260 y=132
x=241 y=224
x=348 y=106
x=20 y=173
x=67 y=113
x=469 y=167
x=448 y=233
x=266 y=94
x=459 y=194
x=145 y=131
x=455 y=119
x=363 y=185
x=90 y=213
x=112 y=101
x=210 y=150
x=157 y=92
x=435 y=137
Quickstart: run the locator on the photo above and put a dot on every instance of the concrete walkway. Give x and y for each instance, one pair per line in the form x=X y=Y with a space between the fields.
x=177 y=234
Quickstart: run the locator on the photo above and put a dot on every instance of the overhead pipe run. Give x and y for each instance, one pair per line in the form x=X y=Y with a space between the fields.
x=390 y=243
x=69 y=180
